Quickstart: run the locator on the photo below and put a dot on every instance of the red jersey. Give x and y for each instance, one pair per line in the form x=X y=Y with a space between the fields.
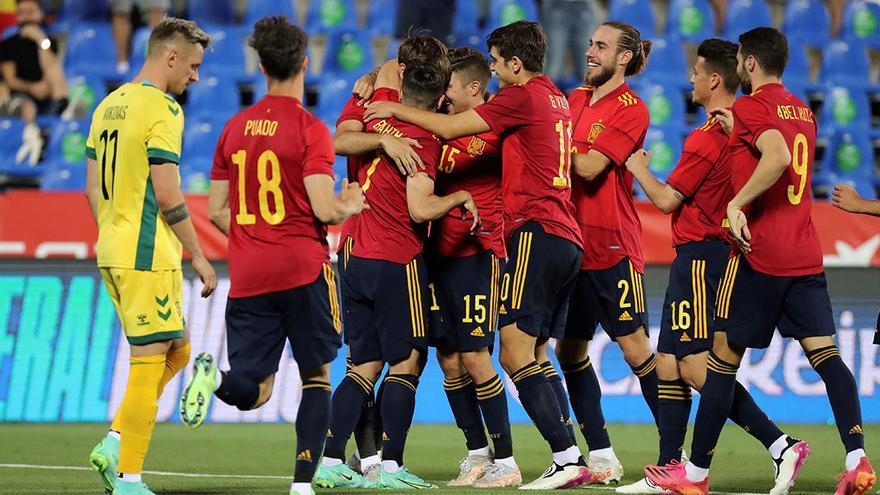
x=703 y=177
x=265 y=151
x=473 y=164
x=784 y=239
x=534 y=122
x=386 y=231
x=614 y=126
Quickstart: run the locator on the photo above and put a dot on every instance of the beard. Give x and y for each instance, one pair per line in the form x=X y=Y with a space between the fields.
x=745 y=83
x=604 y=75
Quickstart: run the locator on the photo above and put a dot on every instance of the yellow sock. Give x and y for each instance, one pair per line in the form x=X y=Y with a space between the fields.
x=175 y=360
x=137 y=414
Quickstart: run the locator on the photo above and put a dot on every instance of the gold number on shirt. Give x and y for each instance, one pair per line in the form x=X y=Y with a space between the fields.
x=370 y=171
x=479 y=307
x=563 y=180
x=268 y=186
x=683 y=321
x=799 y=162
x=624 y=285
x=447 y=158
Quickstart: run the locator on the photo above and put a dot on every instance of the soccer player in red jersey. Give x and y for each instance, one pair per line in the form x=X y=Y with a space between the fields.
x=609 y=123
x=272 y=194
x=696 y=195
x=465 y=271
x=543 y=239
x=777 y=278
x=385 y=285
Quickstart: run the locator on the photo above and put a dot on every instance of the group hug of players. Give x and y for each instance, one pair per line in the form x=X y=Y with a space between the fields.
x=463 y=218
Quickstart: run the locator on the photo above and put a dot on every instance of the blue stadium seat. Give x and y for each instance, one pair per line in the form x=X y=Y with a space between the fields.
x=331 y=15
x=333 y=95
x=744 y=15
x=806 y=22
x=639 y=13
x=65 y=156
x=90 y=50
x=664 y=143
x=349 y=55
x=666 y=103
x=213 y=95
x=690 y=20
x=504 y=12
x=466 y=20
x=10 y=141
x=848 y=158
x=87 y=89
x=797 y=73
x=257 y=9
x=226 y=55
x=846 y=63
x=139 y=42
x=845 y=109
x=211 y=11
x=59 y=176
x=73 y=11
x=667 y=63
x=381 y=17
x=861 y=21
x=199 y=141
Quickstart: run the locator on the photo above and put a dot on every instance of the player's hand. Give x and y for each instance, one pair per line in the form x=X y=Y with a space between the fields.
x=846 y=198
x=380 y=110
x=469 y=206
x=363 y=88
x=724 y=117
x=402 y=152
x=638 y=160
x=353 y=195
x=739 y=228
x=207 y=275
x=32 y=32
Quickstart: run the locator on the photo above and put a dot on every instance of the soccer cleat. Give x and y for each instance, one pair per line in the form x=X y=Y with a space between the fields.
x=644 y=485
x=338 y=476
x=103 y=459
x=788 y=464
x=673 y=477
x=294 y=491
x=371 y=476
x=556 y=476
x=604 y=471
x=131 y=488
x=403 y=480
x=354 y=462
x=198 y=391
x=470 y=469
x=856 y=481
x=499 y=475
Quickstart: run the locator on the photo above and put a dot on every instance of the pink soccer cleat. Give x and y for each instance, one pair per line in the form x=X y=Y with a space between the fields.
x=673 y=477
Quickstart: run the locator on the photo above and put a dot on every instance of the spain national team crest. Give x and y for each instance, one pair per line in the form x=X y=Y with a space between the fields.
x=595 y=130
x=476 y=146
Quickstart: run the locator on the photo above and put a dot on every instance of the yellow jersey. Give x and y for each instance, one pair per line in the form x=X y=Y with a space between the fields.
x=135 y=126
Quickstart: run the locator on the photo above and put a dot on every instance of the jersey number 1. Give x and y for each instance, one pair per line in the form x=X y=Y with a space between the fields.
x=268 y=186
x=105 y=139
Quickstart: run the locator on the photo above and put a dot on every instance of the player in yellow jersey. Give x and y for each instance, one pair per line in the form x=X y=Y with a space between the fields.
x=133 y=188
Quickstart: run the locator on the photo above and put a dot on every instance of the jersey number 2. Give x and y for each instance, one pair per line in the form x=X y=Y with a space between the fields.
x=268 y=186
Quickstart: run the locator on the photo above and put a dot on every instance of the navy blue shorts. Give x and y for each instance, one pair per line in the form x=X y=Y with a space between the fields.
x=344 y=253
x=689 y=308
x=385 y=309
x=466 y=295
x=537 y=282
x=613 y=297
x=307 y=316
x=751 y=304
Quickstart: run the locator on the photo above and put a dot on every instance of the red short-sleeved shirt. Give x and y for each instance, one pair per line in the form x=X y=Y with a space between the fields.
x=784 y=239
x=472 y=164
x=703 y=177
x=265 y=152
x=534 y=122
x=615 y=126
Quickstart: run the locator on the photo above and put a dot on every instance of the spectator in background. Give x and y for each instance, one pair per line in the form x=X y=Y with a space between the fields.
x=122 y=28
x=435 y=16
x=566 y=22
x=32 y=71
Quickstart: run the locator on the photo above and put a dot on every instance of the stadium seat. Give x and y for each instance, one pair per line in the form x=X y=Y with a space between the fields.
x=381 y=17
x=226 y=55
x=744 y=15
x=333 y=95
x=65 y=156
x=846 y=63
x=664 y=143
x=214 y=96
x=139 y=42
x=257 y=9
x=88 y=90
x=199 y=141
x=90 y=50
x=797 y=73
x=10 y=141
x=504 y=12
x=806 y=22
x=639 y=13
x=666 y=103
x=349 y=55
x=466 y=20
x=331 y=15
x=861 y=21
x=849 y=157
x=690 y=20
x=73 y=11
x=211 y=11
x=673 y=69
x=845 y=109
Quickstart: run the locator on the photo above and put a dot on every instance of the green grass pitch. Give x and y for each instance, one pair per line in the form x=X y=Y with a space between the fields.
x=267 y=450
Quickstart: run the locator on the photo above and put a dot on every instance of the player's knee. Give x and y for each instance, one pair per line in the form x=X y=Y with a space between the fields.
x=451 y=364
x=693 y=377
x=265 y=394
x=411 y=365
x=570 y=351
x=635 y=347
x=479 y=365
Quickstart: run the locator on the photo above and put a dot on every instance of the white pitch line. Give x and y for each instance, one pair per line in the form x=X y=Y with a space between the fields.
x=156 y=473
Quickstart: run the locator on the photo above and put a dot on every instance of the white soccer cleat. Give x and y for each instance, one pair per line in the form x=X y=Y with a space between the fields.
x=788 y=464
x=644 y=485
x=605 y=471
x=470 y=469
x=499 y=475
x=556 y=476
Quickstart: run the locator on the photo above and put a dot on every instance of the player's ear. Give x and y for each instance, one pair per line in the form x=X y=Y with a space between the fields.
x=439 y=102
x=624 y=57
x=475 y=88
x=515 y=64
x=262 y=69
x=171 y=58
x=305 y=65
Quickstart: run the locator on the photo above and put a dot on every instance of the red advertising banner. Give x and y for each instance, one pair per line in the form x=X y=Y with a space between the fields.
x=41 y=225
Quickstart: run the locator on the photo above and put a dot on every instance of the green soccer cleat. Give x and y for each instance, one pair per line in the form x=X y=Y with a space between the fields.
x=338 y=476
x=103 y=459
x=403 y=480
x=131 y=488
x=197 y=395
